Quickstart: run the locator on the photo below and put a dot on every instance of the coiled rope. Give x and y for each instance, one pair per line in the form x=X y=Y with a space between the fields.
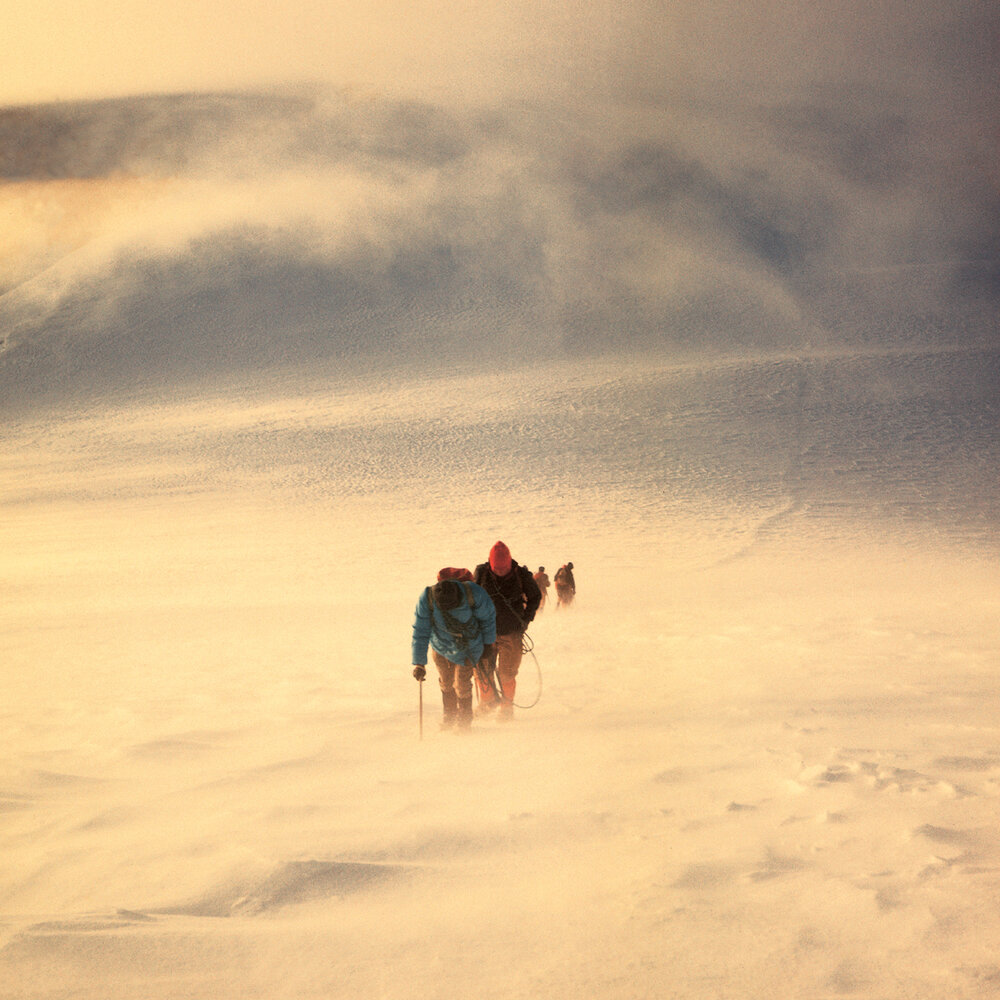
x=528 y=648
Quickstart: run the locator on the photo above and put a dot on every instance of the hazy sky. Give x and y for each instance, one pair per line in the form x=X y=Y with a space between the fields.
x=64 y=49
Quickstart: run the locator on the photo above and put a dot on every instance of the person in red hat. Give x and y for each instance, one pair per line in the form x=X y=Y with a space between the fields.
x=516 y=597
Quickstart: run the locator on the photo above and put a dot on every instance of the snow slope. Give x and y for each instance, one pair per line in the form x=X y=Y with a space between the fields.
x=236 y=447
x=764 y=758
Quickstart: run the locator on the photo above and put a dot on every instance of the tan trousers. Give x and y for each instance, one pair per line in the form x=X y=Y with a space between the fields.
x=455 y=677
x=509 y=656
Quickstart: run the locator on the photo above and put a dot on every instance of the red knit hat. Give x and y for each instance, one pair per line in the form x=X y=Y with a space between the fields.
x=500 y=561
x=454 y=573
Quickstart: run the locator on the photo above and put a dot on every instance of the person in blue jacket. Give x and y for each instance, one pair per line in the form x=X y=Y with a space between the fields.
x=457 y=619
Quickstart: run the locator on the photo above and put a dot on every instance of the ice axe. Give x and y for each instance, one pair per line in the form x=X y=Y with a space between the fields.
x=419 y=673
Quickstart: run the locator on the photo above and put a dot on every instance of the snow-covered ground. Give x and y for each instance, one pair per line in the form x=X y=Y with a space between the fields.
x=766 y=756
x=269 y=361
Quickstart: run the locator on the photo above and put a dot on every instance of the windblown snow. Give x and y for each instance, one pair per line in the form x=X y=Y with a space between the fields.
x=269 y=362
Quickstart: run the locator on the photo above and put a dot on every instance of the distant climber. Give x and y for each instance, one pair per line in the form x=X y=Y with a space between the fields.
x=543 y=581
x=565 y=586
x=457 y=619
x=516 y=597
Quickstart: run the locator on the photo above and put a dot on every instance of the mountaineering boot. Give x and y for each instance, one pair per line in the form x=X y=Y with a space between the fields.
x=465 y=712
x=450 y=702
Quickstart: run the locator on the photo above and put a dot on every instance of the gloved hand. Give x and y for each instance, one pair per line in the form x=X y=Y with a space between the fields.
x=490 y=654
x=420 y=671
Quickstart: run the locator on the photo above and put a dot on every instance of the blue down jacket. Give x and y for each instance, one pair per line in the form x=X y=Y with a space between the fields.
x=436 y=632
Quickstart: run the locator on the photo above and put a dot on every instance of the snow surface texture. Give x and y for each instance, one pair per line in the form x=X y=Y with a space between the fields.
x=752 y=396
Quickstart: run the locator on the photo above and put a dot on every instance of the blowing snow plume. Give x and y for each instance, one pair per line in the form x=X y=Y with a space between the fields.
x=157 y=241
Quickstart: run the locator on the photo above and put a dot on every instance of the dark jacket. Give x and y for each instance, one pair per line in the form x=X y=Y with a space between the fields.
x=515 y=595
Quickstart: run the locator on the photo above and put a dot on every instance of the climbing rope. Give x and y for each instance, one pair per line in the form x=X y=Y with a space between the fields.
x=528 y=649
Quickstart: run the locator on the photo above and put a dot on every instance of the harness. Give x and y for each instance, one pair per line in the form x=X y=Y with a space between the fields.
x=462 y=633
